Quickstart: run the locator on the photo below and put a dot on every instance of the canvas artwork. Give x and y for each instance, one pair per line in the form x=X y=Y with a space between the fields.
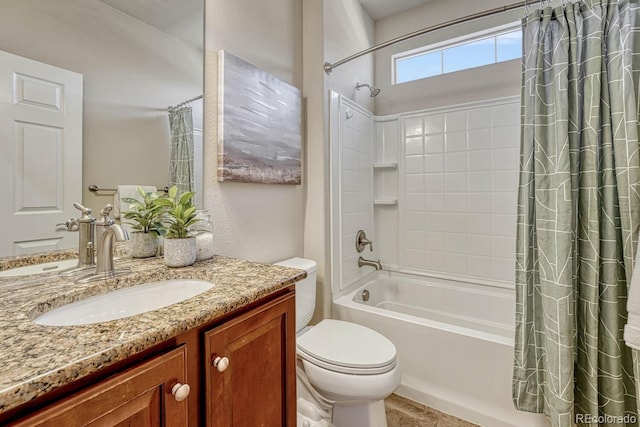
x=259 y=125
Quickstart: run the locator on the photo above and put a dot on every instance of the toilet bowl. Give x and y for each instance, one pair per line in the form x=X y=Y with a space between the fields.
x=345 y=370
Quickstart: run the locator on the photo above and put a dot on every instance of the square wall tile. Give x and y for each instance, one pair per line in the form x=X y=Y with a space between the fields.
x=413 y=146
x=455 y=182
x=479 y=203
x=435 y=241
x=434 y=221
x=414 y=164
x=413 y=221
x=505 y=137
x=434 y=163
x=478 y=181
x=456 y=162
x=434 y=261
x=413 y=126
x=456 y=120
x=434 y=123
x=479 y=160
x=505 y=115
x=414 y=259
x=505 y=159
x=480 y=245
x=456 y=141
x=479 y=139
x=455 y=223
x=414 y=183
x=479 y=118
x=434 y=143
x=434 y=182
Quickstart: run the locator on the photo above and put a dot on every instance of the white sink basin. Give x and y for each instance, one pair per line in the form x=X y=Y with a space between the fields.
x=124 y=302
x=46 y=267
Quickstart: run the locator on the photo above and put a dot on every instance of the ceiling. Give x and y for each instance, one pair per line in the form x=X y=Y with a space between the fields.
x=379 y=9
x=179 y=18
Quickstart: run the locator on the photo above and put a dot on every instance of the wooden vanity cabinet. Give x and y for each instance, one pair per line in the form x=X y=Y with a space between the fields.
x=257 y=388
x=250 y=368
x=140 y=396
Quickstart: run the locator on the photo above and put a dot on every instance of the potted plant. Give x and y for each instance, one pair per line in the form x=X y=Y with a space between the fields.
x=178 y=214
x=144 y=219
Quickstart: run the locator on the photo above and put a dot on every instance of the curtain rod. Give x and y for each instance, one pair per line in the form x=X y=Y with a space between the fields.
x=185 y=102
x=328 y=67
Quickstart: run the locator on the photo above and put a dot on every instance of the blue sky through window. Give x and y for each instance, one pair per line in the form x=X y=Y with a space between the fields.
x=475 y=52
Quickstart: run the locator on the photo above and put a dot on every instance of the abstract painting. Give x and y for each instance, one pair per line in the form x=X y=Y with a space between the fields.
x=259 y=125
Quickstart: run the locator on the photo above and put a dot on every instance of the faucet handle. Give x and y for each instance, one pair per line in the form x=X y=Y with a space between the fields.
x=70 y=225
x=86 y=213
x=362 y=241
x=104 y=213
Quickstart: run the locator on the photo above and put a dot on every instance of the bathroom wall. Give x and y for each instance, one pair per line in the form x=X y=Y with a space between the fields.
x=489 y=82
x=332 y=29
x=259 y=222
x=132 y=73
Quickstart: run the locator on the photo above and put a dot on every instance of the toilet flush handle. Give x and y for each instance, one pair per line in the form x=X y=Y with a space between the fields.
x=221 y=363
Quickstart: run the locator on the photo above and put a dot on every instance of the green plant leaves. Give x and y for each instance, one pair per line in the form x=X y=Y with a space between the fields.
x=178 y=213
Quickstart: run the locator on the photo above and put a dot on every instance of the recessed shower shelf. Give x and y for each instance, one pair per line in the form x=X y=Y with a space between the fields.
x=385 y=202
x=385 y=165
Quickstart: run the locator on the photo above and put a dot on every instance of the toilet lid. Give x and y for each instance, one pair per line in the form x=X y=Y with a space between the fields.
x=348 y=345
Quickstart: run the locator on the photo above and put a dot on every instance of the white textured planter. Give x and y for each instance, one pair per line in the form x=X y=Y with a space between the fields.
x=143 y=245
x=179 y=252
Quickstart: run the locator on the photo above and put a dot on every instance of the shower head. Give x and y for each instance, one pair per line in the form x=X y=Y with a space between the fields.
x=374 y=90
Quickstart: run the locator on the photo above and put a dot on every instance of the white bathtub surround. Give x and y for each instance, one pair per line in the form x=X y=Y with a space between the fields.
x=458 y=187
x=352 y=187
x=456 y=355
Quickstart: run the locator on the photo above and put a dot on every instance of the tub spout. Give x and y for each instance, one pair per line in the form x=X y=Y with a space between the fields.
x=376 y=264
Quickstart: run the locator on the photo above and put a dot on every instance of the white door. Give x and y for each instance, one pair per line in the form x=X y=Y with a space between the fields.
x=40 y=154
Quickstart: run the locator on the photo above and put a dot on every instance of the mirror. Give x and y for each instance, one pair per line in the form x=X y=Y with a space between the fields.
x=137 y=58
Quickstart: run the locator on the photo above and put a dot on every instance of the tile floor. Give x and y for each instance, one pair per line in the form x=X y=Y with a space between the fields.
x=402 y=412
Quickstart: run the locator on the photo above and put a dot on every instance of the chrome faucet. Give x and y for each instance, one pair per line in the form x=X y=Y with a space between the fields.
x=85 y=226
x=86 y=237
x=105 y=249
x=376 y=264
x=104 y=222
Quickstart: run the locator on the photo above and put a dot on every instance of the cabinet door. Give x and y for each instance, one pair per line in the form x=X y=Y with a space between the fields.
x=140 y=396
x=258 y=387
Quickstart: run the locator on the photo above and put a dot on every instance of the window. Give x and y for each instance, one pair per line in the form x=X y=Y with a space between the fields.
x=475 y=50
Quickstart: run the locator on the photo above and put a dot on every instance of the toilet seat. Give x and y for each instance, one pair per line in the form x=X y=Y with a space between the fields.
x=348 y=348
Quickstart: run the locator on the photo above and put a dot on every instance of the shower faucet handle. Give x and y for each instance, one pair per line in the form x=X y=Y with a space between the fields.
x=362 y=241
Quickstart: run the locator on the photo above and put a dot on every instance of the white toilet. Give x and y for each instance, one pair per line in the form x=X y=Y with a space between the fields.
x=345 y=370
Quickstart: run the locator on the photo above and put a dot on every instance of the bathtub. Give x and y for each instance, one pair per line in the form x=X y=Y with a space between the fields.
x=454 y=342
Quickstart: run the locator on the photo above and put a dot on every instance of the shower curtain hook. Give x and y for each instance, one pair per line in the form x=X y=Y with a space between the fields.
x=526 y=9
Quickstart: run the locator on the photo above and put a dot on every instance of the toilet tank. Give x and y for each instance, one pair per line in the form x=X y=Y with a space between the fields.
x=305 y=289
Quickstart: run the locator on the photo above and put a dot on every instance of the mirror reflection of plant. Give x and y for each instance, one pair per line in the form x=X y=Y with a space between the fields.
x=144 y=215
x=178 y=213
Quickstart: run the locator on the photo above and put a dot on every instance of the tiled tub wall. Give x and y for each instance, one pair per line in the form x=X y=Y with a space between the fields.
x=458 y=177
x=355 y=182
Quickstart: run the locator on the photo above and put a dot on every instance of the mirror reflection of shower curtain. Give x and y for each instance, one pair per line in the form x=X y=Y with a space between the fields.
x=181 y=160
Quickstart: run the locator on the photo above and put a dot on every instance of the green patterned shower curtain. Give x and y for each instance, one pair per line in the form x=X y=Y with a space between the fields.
x=181 y=160
x=578 y=213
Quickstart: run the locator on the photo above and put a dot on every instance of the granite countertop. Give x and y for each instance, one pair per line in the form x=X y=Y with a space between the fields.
x=38 y=359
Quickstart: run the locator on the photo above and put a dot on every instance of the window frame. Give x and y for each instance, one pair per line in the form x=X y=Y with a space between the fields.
x=493 y=32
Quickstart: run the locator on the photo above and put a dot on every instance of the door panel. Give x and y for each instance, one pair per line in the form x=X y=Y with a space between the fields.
x=40 y=154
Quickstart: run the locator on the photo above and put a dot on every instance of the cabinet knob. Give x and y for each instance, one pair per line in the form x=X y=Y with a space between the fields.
x=221 y=363
x=180 y=391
